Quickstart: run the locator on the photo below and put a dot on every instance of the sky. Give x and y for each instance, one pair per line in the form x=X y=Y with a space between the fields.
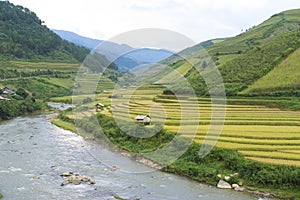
x=199 y=20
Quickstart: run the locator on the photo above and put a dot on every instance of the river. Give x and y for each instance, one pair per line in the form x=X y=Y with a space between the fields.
x=33 y=154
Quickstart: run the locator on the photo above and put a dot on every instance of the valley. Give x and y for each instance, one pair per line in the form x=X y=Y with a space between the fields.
x=252 y=130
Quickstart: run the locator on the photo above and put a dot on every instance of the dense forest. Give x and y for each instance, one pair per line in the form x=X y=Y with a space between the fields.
x=23 y=36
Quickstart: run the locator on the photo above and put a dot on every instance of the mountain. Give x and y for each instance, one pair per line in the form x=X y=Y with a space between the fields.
x=131 y=57
x=108 y=48
x=255 y=62
x=141 y=56
x=23 y=36
x=255 y=36
x=77 y=39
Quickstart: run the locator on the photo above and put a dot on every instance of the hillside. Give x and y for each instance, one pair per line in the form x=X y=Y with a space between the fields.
x=258 y=35
x=284 y=78
x=248 y=57
x=23 y=36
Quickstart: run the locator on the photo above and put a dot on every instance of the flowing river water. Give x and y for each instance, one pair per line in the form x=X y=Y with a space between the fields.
x=33 y=154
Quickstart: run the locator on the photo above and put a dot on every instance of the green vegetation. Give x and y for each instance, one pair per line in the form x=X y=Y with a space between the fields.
x=118 y=197
x=283 y=79
x=65 y=125
x=282 y=181
x=13 y=108
x=23 y=36
x=262 y=61
x=121 y=139
x=241 y=72
x=40 y=88
x=254 y=36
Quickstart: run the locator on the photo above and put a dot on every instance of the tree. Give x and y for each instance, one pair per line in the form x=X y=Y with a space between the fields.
x=21 y=92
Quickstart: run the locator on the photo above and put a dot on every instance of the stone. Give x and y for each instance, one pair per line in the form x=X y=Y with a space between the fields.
x=219 y=175
x=64 y=183
x=66 y=174
x=105 y=170
x=234 y=186
x=77 y=183
x=76 y=179
x=85 y=179
x=239 y=189
x=114 y=168
x=226 y=178
x=223 y=185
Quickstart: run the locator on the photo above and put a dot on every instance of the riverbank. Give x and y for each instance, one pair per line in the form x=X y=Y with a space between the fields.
x=258 y=178
x=16 y=108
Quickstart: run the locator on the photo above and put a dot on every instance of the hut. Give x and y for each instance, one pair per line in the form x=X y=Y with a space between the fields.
x=99 y=107
x=143 y=119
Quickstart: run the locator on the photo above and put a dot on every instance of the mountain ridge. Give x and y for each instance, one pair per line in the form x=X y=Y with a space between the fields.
x=125 y=56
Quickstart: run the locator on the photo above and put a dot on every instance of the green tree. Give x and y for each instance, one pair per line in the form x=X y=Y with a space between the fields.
x=21 y=92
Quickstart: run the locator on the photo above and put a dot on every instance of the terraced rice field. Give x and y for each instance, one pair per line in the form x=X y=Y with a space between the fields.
x=260 y=133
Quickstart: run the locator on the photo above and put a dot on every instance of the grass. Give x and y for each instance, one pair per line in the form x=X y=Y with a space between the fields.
x=63 y=82
x=276 y=81
x=65 y=125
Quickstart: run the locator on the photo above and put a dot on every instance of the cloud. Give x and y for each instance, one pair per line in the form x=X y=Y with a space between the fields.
x=198 y=19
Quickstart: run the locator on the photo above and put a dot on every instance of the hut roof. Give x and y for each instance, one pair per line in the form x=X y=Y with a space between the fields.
x=141 y=117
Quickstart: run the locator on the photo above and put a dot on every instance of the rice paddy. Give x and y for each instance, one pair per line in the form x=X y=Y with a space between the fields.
x=263 y=134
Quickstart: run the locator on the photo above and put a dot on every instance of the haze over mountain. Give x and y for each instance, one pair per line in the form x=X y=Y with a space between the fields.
x=131 y=57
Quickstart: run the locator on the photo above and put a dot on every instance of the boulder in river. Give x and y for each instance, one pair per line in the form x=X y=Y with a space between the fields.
x=105 y=170
x=70 y=177
x=223 y=185
x=66 y=174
